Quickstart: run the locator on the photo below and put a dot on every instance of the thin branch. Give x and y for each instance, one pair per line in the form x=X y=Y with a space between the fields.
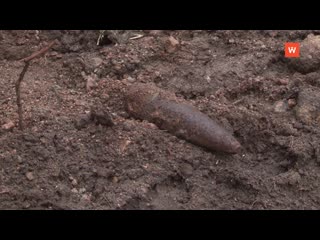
x=37 y=54
x=21 y=76
x=18 y=82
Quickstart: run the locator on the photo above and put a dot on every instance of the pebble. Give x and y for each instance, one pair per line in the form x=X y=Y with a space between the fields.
x=288 y=178
x=29 y=176
x=74 y=182
x=131 y=79
x=104 y=172
x=30 y=138
x=292 y=102
x=284 y=81
x=124 y=114
x=96 y=62
x=8 y=126
x=115 y=179
x=102 y=117
x=91 y=82
x=174 y=42
x=307 y=109
x=135 y=173
x=63 y=190
x=20 y=160
x=86 y=197
x=26 y=205
x=83 y=121
x=186 y=170
x=171 y=44
x=280 y=107
x=155 y=32
x=259 y=55
x=215 y=38
x=127 y=126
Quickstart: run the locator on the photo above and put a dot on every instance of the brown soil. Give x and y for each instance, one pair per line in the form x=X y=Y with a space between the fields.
x=64 y=160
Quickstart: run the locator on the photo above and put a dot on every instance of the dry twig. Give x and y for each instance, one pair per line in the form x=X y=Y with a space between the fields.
x=21 y=76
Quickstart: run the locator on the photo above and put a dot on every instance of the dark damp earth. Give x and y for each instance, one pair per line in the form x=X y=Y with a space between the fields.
x=67 y=159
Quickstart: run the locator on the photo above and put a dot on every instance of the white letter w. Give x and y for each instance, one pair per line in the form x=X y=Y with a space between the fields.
x=292 y=49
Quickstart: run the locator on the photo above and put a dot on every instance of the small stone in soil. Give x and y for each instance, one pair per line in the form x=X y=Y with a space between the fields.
x=186 y=170
x=74 y=182
x=91 y=83
x=86 y=197
x=29 y=176
x=172 y=44
x=280 y=107
x=155 y=32
x=96 y=62
x=127 y=126
x=115 y=179
x=20 y=160
x=101 y=117
x=131 y=79
x=26 y=205
x=307 y=109
x=284 y=81
x=292 y=102
x=83 y=121
x=8 y=126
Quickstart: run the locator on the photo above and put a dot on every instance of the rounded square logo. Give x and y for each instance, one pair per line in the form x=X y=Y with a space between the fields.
x=292 y=50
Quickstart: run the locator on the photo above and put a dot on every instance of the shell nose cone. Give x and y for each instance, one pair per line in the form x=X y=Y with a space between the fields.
x=235 y=146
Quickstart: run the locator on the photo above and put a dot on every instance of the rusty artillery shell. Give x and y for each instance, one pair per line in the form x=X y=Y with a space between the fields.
x=148 y=102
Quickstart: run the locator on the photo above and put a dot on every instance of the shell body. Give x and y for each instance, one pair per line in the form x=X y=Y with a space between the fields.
x=148 y=102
